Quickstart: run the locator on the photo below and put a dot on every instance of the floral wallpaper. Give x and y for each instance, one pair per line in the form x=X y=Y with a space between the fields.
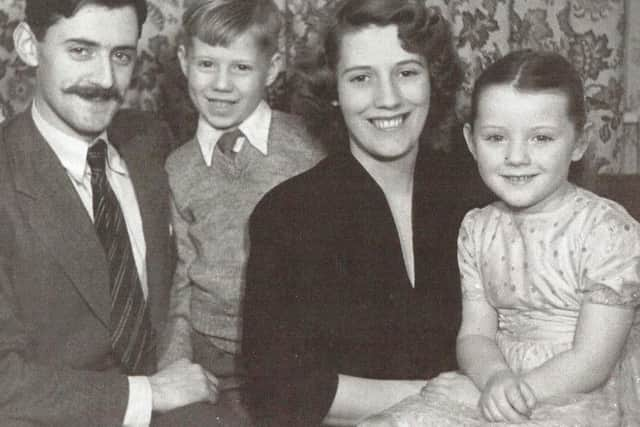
x=591 y=33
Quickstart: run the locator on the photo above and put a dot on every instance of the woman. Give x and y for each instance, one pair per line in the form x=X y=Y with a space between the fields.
x=352 y=296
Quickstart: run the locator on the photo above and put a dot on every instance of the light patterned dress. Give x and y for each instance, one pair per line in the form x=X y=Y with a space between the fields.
x=537 y=270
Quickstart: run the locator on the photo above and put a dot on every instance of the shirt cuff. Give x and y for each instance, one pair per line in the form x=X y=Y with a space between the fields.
x=140 y=403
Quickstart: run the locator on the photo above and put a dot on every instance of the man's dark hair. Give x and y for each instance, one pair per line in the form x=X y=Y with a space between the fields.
x=42 y=14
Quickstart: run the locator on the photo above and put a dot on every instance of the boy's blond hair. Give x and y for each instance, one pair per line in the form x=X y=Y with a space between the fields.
x=220 y=22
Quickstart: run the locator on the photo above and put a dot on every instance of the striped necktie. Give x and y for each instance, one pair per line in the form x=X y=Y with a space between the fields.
x=132 y=337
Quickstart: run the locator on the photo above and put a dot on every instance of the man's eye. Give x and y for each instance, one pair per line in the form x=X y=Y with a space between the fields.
x=123 y=58
x=80 y=52
x=204 y=64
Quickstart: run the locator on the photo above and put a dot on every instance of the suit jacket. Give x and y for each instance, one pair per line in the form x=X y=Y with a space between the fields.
x=328 y=293
x=56 y=366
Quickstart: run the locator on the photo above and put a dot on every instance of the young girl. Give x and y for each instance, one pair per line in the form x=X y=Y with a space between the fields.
x=550 y=272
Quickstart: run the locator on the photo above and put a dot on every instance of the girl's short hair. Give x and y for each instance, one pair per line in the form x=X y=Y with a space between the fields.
x=533 y=70
x=220 y=22
x=421 y=30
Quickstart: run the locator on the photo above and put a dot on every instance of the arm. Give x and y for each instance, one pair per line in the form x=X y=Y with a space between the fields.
x=600 y=336
x=357 y=398
x=176 y=341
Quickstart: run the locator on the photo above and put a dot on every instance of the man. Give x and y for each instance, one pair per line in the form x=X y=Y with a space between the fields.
x=84 y=237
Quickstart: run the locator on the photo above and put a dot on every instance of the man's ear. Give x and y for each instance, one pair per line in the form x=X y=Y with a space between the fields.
x=274 y=68
x=582 y=142
x=26 y=44
x=182 y=58
x=467 y=131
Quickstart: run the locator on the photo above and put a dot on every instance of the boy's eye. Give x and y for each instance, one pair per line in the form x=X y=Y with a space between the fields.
x=243 y=67
x=203 y=63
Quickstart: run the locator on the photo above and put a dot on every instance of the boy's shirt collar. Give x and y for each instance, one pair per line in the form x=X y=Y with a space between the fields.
x=255 y=129
x=72 y=151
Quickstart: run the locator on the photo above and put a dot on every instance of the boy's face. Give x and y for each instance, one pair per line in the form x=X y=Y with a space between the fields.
x=227 y=83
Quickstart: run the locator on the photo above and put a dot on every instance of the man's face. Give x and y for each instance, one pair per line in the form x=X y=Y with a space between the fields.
x=84 y=67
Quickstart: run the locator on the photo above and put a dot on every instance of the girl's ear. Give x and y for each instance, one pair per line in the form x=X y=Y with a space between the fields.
x=581 y=143
x=26 y=44
x=467 y=131
x=182 y=58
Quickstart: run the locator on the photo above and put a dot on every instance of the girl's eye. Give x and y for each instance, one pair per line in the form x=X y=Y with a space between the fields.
x=542 y=138
x=494 y=138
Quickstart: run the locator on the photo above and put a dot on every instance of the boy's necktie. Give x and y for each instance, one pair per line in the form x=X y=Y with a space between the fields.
x=227 y=141
x=132 y=337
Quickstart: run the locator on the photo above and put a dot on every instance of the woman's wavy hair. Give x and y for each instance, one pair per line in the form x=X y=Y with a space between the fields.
x=422 y=30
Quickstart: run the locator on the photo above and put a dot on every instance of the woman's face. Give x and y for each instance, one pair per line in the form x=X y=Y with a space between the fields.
x=383 y=92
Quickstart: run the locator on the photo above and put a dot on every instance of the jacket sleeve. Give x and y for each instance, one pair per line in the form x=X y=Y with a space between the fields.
x=49 y=395
x=292 y=380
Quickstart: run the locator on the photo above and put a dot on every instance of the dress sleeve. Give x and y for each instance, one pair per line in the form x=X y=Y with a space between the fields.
x=611 y=259
x=291 y=381
x=468 y=262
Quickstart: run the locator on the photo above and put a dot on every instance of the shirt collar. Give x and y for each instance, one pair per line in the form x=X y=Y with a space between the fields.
x=72 y=151
x=255 y=128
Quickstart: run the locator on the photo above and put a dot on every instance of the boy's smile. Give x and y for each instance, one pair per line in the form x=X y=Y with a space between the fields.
x=226 y=83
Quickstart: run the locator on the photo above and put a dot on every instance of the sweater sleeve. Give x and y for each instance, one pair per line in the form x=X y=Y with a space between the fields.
x=292 y=380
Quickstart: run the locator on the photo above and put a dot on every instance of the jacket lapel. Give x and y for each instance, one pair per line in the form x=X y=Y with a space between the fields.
x=55 y=212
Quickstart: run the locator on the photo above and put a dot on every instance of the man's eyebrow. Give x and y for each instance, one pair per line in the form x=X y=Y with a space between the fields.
x=91 y=43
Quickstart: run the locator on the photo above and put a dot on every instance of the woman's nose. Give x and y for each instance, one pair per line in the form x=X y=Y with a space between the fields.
x=387 y=94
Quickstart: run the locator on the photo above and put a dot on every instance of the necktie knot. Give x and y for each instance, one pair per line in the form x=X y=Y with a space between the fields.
x=228 y=140
x=96 y=157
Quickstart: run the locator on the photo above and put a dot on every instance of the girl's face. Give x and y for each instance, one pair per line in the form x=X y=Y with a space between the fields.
x=383 y=92
x=524 y=143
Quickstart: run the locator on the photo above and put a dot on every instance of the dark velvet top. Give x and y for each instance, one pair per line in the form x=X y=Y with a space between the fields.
x=328 y=293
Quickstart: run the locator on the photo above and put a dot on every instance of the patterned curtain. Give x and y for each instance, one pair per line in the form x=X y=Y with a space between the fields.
x=589 y=32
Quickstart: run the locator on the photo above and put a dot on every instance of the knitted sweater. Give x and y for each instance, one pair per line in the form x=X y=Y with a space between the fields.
x=211 y=209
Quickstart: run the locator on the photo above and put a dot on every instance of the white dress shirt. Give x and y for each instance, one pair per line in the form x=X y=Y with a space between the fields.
x=255 y=129
x=72 y=153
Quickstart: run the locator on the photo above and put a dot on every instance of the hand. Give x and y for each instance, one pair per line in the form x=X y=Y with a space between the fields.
x=506 y=397
x=182 y=383
x=455 y=386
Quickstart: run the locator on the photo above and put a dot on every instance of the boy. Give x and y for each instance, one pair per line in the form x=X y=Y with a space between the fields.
x=240 y=151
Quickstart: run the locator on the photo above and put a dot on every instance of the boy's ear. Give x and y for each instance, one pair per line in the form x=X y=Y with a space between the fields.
x=274 y=68
x=582 y=142
x=467 y=131
x=26 y=44
x=182 y=58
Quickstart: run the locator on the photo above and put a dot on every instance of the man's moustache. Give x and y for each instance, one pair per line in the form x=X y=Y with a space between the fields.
x=94 y=92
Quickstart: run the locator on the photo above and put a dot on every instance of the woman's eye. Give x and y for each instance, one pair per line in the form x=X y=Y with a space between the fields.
x=408 y=73
x=360 y=78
